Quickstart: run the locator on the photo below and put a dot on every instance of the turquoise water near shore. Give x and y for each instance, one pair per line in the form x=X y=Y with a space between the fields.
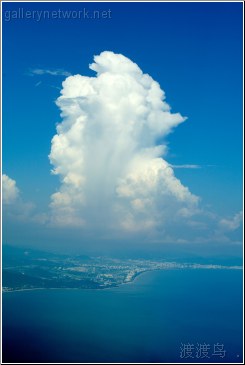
x=143 y=321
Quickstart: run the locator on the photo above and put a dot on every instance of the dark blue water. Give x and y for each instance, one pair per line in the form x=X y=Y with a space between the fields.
x=144 y=321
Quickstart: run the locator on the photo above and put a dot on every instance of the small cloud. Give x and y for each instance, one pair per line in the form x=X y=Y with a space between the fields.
x=55 y=87
x=231 y=224
x=186 y=166
x=10 y=190
x=14 y=207
x=56 y=72
x=38 y=83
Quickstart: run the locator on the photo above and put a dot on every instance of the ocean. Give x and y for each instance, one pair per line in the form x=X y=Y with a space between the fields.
x=162 y=316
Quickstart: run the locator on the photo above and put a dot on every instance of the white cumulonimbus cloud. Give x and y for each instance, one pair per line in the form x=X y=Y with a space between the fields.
x=106 y=151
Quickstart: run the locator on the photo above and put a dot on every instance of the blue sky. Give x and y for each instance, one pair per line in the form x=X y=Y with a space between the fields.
x=194 y=51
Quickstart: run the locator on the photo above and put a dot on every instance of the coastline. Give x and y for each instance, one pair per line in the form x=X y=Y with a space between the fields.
x=132 y=279
x=103 y=288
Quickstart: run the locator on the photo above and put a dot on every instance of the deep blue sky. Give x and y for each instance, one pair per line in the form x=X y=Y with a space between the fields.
x=194 y=50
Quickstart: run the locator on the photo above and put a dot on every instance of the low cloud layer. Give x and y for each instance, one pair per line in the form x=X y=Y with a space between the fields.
x=113 y=173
